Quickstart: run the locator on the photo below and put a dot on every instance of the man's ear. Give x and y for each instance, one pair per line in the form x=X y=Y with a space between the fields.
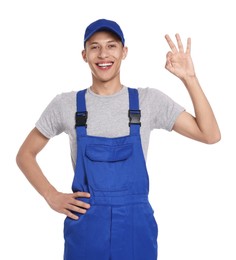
x=84 y=55
x=125 y=52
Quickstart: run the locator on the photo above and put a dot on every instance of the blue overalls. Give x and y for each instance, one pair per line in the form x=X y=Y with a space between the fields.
x=119 y=224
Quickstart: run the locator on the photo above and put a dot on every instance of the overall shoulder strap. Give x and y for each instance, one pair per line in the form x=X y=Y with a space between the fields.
x=81 y=114
x=134 y=112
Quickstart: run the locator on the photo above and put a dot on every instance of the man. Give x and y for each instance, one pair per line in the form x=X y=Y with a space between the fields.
x=108 y=213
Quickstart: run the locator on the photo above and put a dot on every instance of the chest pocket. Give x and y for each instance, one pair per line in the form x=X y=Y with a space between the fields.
x=108 y=167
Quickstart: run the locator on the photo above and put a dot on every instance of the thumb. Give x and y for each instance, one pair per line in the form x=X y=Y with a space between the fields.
x=168 y=65
x=168 y=55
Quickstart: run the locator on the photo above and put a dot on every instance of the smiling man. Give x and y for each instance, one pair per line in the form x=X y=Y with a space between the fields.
x=108 y=214
x=104 y=52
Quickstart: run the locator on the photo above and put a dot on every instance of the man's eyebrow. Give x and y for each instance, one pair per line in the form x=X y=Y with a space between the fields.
x=112 y=41
x=93 y=43
x=106 y=42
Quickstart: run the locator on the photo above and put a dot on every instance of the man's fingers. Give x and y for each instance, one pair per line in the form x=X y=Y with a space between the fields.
x=76 y=206
x=76 y=209
x=81 y=194
x=80 y=203
x=169 y=55
x=71 y=215
x=188 y=49
x=171 y=44
x=179 y=42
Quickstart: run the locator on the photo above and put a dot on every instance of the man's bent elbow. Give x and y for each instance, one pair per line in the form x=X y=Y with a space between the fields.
x=20 y=159
x=213 y=139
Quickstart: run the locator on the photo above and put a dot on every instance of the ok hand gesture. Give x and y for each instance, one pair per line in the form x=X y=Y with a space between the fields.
x=178 y=61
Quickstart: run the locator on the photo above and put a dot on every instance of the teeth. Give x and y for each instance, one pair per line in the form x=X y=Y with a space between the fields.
x=104 y=64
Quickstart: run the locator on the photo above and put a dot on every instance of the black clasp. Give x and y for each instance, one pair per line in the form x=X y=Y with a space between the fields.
x=81 y=118
x=134 y=117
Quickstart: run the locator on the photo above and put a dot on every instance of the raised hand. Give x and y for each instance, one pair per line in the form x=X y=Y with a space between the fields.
x=178 y=61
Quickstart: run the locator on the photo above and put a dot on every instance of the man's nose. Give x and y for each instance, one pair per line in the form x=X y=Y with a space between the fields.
x=103 y=53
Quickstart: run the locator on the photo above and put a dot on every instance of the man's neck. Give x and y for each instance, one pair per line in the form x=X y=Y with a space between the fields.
x=106 y=90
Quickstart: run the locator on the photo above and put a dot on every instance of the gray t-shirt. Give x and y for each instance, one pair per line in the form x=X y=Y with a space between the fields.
x=108 y=115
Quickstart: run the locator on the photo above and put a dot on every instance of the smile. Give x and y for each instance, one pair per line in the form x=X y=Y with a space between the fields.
x=104 y=65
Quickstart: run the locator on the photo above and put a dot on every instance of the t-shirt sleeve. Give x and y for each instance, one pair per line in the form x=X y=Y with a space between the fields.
x=163 y=110
x=50 y=122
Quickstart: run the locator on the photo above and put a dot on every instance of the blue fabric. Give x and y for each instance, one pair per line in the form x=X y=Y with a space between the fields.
x=104 y=25
x=120 y=224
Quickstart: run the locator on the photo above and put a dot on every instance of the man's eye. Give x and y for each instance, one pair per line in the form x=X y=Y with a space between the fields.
x=111 y=45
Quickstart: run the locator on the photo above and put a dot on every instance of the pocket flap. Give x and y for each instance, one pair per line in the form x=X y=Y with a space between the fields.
x=107 y=153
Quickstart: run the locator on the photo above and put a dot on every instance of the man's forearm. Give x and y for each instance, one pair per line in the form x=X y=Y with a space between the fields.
x=29 y=166
x=205 y=117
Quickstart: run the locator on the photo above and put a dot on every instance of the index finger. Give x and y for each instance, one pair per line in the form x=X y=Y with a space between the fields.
x=171 y=44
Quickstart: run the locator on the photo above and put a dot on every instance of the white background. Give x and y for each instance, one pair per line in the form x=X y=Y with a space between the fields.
x=192 y=184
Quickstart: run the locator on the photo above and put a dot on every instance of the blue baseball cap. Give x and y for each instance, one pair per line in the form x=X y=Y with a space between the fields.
x=104 y=25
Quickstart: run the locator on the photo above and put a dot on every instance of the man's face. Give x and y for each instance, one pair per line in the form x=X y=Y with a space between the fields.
x=104 y=53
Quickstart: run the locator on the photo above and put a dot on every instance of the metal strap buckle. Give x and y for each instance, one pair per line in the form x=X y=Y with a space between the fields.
x=134 y=117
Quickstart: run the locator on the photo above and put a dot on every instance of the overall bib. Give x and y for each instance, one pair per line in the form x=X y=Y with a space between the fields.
x=120 y=224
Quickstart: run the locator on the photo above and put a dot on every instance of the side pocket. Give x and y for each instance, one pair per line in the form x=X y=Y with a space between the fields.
x=145 y=232
x=152 y=219
x=71 y=225
x=74 y=236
